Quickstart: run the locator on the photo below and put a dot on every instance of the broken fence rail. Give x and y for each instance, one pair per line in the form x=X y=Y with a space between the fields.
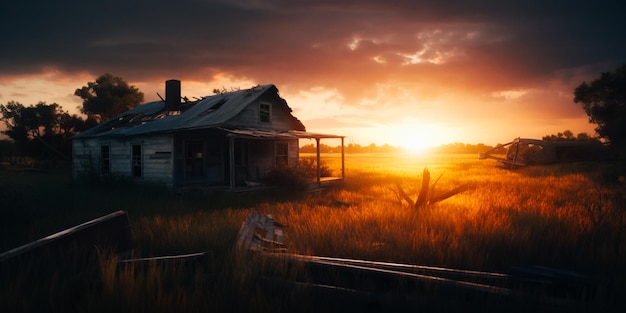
x=479 y=281
x=261 y=233
x=178 y=258
x=111 y=230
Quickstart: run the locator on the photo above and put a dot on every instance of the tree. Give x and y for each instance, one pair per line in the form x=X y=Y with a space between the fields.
x=568 y=135
x=604 y=101
x=108 y=97
x=43 y=130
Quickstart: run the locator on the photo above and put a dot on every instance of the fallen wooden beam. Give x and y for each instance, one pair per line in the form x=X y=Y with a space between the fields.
x=381 y=277
x=180 y=258
x=478 y=281
x=112 y=230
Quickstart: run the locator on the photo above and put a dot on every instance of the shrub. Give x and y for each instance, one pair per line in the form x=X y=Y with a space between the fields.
x=296 y=177
x=308 y=169
x=286 y=176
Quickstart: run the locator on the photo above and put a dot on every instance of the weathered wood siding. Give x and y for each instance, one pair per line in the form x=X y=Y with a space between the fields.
x=280 y=115
x=83 y=158
x=156 y=157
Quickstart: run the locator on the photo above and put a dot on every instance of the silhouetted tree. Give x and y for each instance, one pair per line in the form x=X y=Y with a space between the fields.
x=108 y=96
x=43 y=130
x=568 y=135
x=604 y=101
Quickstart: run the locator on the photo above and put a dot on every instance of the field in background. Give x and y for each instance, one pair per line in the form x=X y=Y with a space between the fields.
x=568 y=216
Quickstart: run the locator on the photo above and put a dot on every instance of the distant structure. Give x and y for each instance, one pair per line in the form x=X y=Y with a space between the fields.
x=229 y=139
x=524 y=151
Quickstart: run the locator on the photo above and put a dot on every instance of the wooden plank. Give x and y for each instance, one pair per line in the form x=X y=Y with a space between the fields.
x=260 y=233
x=181 y=258
x=246 y=232
x=110 y=230
x=402 y=271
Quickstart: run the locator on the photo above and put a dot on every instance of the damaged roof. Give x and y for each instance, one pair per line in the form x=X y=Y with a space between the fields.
x=207 y=112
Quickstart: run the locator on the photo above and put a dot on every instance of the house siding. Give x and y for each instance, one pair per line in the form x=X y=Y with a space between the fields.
x=156 y=157
x=280 y=116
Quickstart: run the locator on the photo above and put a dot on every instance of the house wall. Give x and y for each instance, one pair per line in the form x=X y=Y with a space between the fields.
x=281 y=117
x=156 y=157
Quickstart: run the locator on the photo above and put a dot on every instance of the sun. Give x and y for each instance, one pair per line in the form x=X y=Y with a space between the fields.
x=414 y=144
x=419 y=138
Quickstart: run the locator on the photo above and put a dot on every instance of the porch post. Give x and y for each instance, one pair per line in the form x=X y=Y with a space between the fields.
x=317 y=143
x=343 y=171
x=231 y=158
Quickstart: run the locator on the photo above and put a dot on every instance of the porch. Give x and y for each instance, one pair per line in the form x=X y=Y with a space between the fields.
x=319 y=181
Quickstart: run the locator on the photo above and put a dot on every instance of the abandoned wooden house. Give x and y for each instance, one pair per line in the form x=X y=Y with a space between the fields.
x=229 y=139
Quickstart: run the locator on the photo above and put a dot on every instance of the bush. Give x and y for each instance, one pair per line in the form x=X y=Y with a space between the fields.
x=296 y=177
x=285 y=176
x=308 y=169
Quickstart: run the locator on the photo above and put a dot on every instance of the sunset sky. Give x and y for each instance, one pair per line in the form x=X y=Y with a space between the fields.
x=420 y=73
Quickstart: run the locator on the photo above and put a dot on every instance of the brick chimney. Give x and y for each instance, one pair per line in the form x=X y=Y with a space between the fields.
x=172 y=93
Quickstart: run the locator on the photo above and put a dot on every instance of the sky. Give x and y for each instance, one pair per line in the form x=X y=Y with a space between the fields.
x=400 y=72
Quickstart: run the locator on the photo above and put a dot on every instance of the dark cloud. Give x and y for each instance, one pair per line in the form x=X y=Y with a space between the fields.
x=479 y=45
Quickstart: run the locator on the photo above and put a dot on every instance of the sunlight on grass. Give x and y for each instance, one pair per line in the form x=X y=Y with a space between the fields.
x=561 y=216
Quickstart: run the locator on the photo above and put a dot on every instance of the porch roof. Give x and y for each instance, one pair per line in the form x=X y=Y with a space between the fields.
x=275 y=134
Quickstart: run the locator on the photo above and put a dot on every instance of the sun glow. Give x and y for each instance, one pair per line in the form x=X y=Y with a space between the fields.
x=416 y=144
x=417 y=137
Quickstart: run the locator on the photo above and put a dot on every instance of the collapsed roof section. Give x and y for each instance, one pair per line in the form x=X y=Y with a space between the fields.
x=169 y=116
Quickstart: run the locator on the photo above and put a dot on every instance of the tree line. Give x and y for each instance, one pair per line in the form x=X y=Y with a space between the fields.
x=43 y=131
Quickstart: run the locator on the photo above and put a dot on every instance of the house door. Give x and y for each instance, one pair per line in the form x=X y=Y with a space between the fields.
x=194 y=159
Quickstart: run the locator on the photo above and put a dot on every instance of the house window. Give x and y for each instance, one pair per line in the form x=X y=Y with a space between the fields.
x=282 y=154
x=105 y=159
x=265 y=113
x=194 y=159
x=136 y=161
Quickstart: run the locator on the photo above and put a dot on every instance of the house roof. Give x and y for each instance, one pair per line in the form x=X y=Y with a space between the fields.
x=207 y=112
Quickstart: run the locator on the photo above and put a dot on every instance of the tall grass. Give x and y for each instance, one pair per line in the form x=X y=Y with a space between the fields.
x=565 y=216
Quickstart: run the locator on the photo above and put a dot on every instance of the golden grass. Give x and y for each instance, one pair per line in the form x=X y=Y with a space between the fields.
x=563 y=216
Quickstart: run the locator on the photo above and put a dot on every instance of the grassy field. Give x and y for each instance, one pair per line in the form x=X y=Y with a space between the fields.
x=569 y=216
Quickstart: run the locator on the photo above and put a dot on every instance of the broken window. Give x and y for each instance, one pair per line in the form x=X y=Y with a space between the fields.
x=282 y=154
x=136 y=161
x=264 y=112
x=105 y=160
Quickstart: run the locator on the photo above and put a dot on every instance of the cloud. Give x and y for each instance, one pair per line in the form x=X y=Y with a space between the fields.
x=421 y=58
